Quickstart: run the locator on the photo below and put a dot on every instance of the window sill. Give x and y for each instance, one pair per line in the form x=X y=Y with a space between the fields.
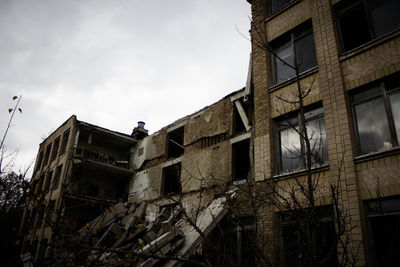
x=371 y=44
x=297 y=173
x=376 y=155
x=303 y=75
x=280 y=11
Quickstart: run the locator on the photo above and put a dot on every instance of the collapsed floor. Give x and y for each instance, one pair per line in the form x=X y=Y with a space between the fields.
x=122 y=235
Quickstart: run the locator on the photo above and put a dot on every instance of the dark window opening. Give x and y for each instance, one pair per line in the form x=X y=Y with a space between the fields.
x=376 y=109
x=175 y=143
x=40 y=160
x=275 y=5
x=292 y=148
x=238 y=126
x=171 y=179
x=47 y=155
x=64 y=142
x=235 y=239
x=55 y=148
x=40 y=216
x=384 y=231
x=57 y=175
x=296 y=247
x=299 y=41
x=241 y=160
x=93 y=190
x=32 y=218
x=48 y=181
x=49 y=212
x=362 y=21
x=39 y=185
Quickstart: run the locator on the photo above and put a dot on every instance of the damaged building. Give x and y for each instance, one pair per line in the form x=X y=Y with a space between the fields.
x=219 y=163
x=82 y=170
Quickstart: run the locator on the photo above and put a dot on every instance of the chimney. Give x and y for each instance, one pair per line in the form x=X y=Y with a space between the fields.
x=140 y=132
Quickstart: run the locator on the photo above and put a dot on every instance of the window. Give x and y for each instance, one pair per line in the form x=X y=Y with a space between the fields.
x=295 y=243
x=171 y=179
x=57 y=175
x=49 y=212
x=175 y=143
x=40 y=160
x=64 y=142
x=292 y=148
x=299 y=41
x=55 y=148
x=235 y=240
x=47 y=155
x=39 y=185
x=240 y=160
x=376 y=110
x=384 y=231
x=364 y=20
x=275 y=5
x=47 y=181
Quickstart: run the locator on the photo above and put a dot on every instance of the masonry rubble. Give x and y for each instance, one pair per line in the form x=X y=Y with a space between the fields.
x=123 y=230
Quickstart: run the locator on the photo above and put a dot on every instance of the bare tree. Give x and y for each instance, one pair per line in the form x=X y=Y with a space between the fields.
x=13 y=189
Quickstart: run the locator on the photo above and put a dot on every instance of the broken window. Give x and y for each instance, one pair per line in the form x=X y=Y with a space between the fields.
x=241 y=160
x=64 y=142
x=364 y=20
x=56 y=179
x=384 y=231
x=275 y=5
x=296 y=245
x=241 y=116
x=292 y=148
x=55 y=149
x=175 y=143
x=299 y=41
x=171 y=179
x=47 y=155
x=377 y=115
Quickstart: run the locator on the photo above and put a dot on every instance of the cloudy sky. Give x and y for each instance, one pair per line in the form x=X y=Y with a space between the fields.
x=115 y=62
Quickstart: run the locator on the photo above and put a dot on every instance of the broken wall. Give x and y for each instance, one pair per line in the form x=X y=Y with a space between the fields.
x=206 y=160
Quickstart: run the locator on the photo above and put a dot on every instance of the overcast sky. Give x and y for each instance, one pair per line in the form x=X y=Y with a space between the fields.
x=113 y=63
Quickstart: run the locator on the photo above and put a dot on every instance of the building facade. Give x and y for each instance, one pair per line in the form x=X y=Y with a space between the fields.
x=345 y=58
x=80 y=170
x=348 y=63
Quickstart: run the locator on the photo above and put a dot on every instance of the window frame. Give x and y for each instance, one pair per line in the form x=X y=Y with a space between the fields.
x=289 y=39
x=384 y=215
x=344 y=8
x=325 y=215
x=295 y=116
x=383 y=94
x=270 y=12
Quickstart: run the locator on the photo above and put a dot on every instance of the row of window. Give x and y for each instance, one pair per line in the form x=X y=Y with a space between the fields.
x=358 y=22
x=46 y=181
x=54 y=149
x=376 y=116
x=383 y=235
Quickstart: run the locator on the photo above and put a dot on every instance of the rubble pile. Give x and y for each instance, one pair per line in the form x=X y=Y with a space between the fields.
x=121 y=235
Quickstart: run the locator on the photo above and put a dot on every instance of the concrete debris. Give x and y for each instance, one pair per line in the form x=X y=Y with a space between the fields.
x=122 y=230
